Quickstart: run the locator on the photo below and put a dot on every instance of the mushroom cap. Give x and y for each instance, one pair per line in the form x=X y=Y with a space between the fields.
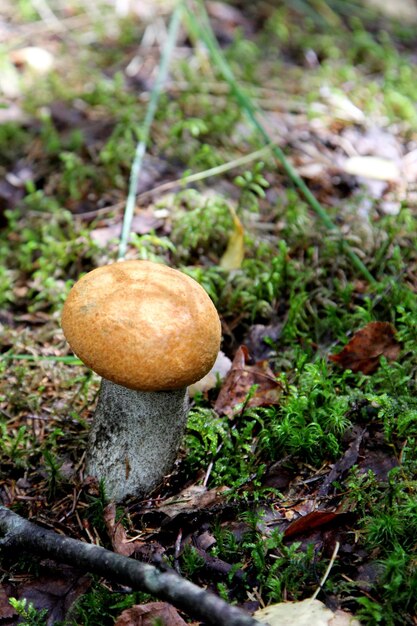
x=142 y=325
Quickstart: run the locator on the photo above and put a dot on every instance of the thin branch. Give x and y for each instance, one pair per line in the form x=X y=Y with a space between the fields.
x=17 y=534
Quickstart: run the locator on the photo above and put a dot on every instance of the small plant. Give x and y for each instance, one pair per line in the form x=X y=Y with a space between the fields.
x=311 y=417
x=95 y=511
x=75 y=175
x=102 y=606
x=252 y=184
x=191 y=561
x=201 y=225
x=30 y=616
x=13 y=445
x=272 y=565
x=53 y=468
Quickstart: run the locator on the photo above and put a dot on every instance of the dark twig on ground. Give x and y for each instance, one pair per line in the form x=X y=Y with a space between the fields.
x=17 y=534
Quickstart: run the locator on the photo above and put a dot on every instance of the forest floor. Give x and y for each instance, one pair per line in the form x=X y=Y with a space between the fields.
x=302 y=452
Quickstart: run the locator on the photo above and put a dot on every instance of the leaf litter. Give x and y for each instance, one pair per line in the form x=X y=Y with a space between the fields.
x=247 y=385
x=364 y=350
x=149 y=614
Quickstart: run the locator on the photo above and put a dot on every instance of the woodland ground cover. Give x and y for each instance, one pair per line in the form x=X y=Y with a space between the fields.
x=294 y=454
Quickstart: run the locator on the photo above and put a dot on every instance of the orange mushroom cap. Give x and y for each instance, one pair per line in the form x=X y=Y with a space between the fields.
x=142 y=325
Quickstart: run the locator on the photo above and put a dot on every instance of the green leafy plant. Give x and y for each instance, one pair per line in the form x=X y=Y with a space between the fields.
x=102 y=606
x=13 y=445
x=191 y=561
x=252 y=184
x=201 y=224
x=29 y=614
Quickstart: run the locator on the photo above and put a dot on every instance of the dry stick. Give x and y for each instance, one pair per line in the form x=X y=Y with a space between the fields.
x=327 y=572
x=17 y=534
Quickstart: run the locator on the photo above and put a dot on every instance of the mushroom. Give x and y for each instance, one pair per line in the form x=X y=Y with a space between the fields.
x=149 y=331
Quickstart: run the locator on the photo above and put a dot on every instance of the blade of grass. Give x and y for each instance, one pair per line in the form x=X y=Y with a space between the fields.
x=186 y=180
x=150 y=114
x=199 y=24
x=68 y=360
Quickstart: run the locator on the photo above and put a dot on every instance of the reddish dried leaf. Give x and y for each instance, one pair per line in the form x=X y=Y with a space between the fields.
x=364 y=350
x=147 y=614
x=239 y=381
x=309 y=522
x=117 y=533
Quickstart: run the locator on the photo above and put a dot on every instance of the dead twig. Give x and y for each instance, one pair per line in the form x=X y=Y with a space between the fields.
x=19 y=534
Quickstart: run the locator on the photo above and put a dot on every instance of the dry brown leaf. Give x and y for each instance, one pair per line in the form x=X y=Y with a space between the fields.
x=56 y=590
x=239 y=381
x=192 y=498
x=363 y=352
x=117 y=533
x=147 y=614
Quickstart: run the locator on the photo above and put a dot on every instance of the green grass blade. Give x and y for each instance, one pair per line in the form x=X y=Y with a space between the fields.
x=150 y=114
x=199 y=24
x=68 y=360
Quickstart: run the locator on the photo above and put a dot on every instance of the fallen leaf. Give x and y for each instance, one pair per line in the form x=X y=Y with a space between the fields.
x=11 y=112
x=259 y=338
x=148 y=614
x=36 y=59
x=56 y=591
x=379 y=462
x=401 y=10
x=373 y=141
x=367 y=345
x=192 y=498
x=341 y=107
x=309 y=522
x=218 y=372
x=6 y=609
x=372 y=167
x=117 y=534
x=142 y=224
x=235 y=251
x=308 y=612
x=348 y=460
x=239 y=381
x=9 y=80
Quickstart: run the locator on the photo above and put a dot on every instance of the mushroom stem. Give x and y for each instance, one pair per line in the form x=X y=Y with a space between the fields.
x=135 y=438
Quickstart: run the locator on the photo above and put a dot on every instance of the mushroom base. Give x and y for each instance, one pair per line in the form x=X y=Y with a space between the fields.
x=135 y=438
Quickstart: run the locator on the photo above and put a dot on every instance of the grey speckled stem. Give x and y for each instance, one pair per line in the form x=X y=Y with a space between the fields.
x=135 y=438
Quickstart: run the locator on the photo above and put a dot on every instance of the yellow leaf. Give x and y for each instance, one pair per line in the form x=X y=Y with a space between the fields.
x=235 y=251
x=306 y=613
